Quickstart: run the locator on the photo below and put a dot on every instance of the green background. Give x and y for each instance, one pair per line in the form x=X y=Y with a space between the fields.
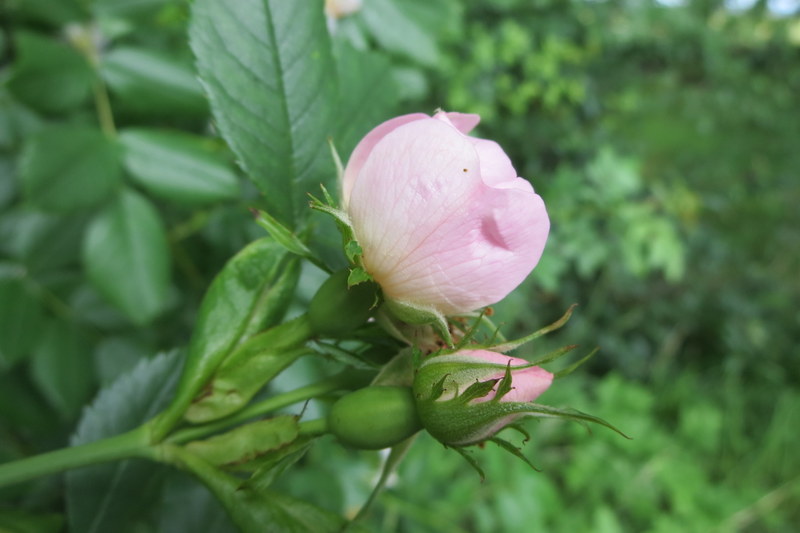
x=664 y=141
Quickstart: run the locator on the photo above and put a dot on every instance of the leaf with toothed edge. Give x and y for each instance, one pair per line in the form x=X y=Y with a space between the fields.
x=269 y=72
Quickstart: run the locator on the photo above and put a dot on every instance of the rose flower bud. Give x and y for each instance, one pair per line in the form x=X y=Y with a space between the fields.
x=444 y=222
x=468 y=396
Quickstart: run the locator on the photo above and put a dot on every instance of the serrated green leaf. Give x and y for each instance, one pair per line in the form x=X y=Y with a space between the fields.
x=49 y=75
x=151 y=82
x=109 y=497
x=367 y=94
x=62 y=368
x=255 y=510
x=186 y=506
x=178 y=167
x=21 y=316
x=65 y=168
x=127 y=257
x=269 y=72
x=251 y=293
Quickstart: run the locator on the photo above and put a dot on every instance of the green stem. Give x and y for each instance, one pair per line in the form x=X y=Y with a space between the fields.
x=339 y=382
x=314 y=428
x=135 y=443
x=104 y=114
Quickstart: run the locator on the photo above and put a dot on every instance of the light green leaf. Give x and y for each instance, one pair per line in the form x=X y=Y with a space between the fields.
x=269 y=72
x=42 y=242
x=251 y=293
x=62 y=368
x=49 y=75
x=398 y=32
x=177 y=166
x=151 y=82
x=109 y=497
x=247 y=443
x=127 y=257
x=64 y=168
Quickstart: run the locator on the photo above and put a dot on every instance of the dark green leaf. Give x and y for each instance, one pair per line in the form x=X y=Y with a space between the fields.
x=62 y=368
x=16 y=121
x=256 y=510
x=42 y=242
x=179 y=167
x=151 y=82
x=367 y=95
x=109 y=497
x=20 y=315
x=513 y=450
x=251 y=293
x=396 y=31
x=49 y=75
x=127 y=257
x=21 y=522
x=187 y=506
x=127 y=9
x=269 y=72
x=64 y=168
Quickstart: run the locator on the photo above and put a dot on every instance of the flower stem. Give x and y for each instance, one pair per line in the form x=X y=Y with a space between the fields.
x=135 y=443
x=343 y=381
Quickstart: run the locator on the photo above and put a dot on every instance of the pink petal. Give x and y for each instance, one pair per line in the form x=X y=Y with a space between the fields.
x=365 y=146
x=463 y=122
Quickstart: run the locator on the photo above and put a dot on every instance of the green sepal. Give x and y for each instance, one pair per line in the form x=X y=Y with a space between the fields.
x=438 y=389
x=286 y=238
x=479 y=389
x=421 y=315
x=467 y=455
x=239 y=447
x=504 y=387
x=513 y=450
x=519 y=428
x=358 y=275
x=571 y=368
x=353 y=251
x=513 y=345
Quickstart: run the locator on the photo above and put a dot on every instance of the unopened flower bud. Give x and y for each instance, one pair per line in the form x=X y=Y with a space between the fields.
x=466 y=397
x=374 y=418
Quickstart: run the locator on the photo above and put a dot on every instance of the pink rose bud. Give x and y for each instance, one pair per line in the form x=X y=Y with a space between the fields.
x=443 y=220
x=466 y=397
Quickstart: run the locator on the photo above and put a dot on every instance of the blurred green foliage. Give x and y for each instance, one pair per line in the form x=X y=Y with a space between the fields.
x=663 y=140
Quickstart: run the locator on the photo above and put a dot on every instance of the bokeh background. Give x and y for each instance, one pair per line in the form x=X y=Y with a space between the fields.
x=663 y=136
